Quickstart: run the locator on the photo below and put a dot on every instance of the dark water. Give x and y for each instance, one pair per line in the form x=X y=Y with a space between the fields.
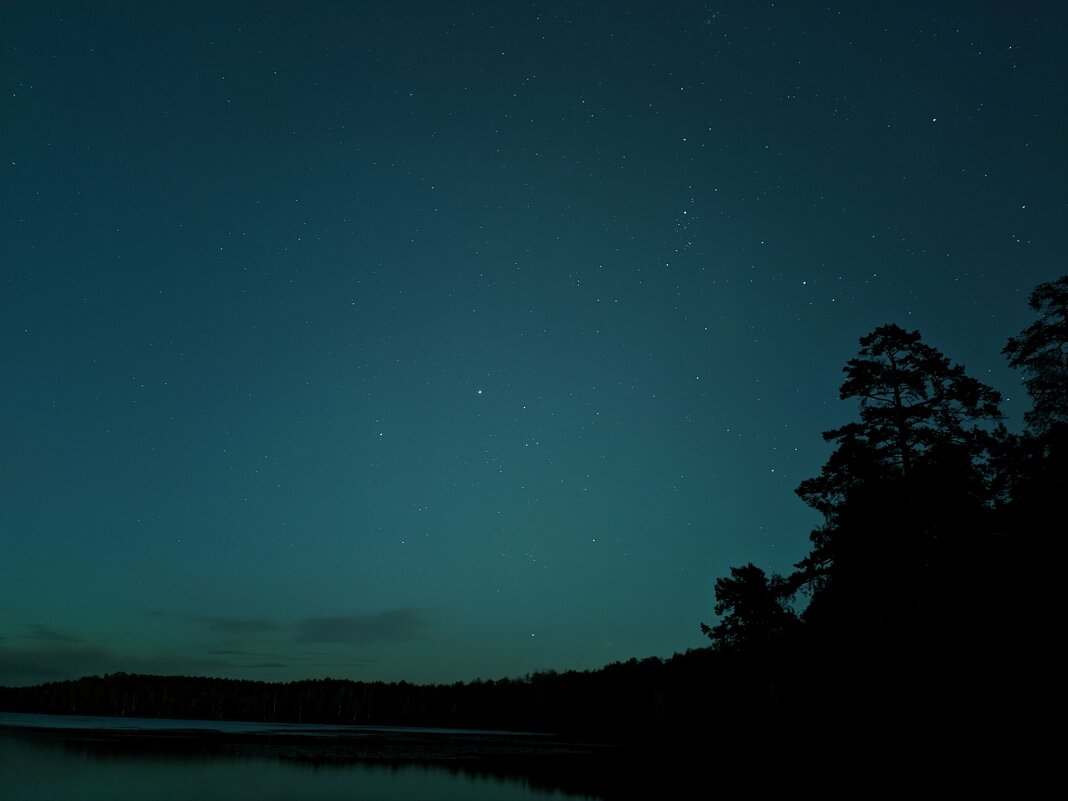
x=56 y=758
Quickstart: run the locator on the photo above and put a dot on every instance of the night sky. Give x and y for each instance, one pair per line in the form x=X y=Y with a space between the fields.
x=429 y=341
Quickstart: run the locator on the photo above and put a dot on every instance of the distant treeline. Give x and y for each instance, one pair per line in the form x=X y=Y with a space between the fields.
x=621 y=701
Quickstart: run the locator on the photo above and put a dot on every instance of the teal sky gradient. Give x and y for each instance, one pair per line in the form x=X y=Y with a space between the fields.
x=428 y=341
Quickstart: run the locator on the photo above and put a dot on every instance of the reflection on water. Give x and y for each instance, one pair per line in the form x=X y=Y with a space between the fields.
x=85 y=765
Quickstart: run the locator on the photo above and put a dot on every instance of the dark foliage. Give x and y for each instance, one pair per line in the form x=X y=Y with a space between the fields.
x=1041 y=352
x=931 y=583
x=753 y=610
x=623 y=699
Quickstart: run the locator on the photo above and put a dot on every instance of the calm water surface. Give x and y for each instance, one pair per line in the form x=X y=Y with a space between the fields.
x=56 y=758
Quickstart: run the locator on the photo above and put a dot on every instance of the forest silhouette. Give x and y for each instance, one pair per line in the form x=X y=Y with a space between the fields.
x=912 y=643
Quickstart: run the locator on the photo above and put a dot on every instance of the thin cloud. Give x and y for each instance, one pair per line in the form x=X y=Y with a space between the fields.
x=238 y=626
x=42 y=654
x=394 y=625
x=59 y=661
x=38 y=632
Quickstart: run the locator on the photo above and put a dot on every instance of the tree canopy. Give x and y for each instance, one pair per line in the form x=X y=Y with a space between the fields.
x=1041 y=352
x=920 y=417
x=752 y=608
x=911 y=398
x=930 y=580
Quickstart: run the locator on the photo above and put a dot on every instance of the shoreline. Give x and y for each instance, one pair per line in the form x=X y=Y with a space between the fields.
x=328 y=743
x=544 y=762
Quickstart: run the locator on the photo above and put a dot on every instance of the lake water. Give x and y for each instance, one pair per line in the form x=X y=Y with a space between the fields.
x=60 y=758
